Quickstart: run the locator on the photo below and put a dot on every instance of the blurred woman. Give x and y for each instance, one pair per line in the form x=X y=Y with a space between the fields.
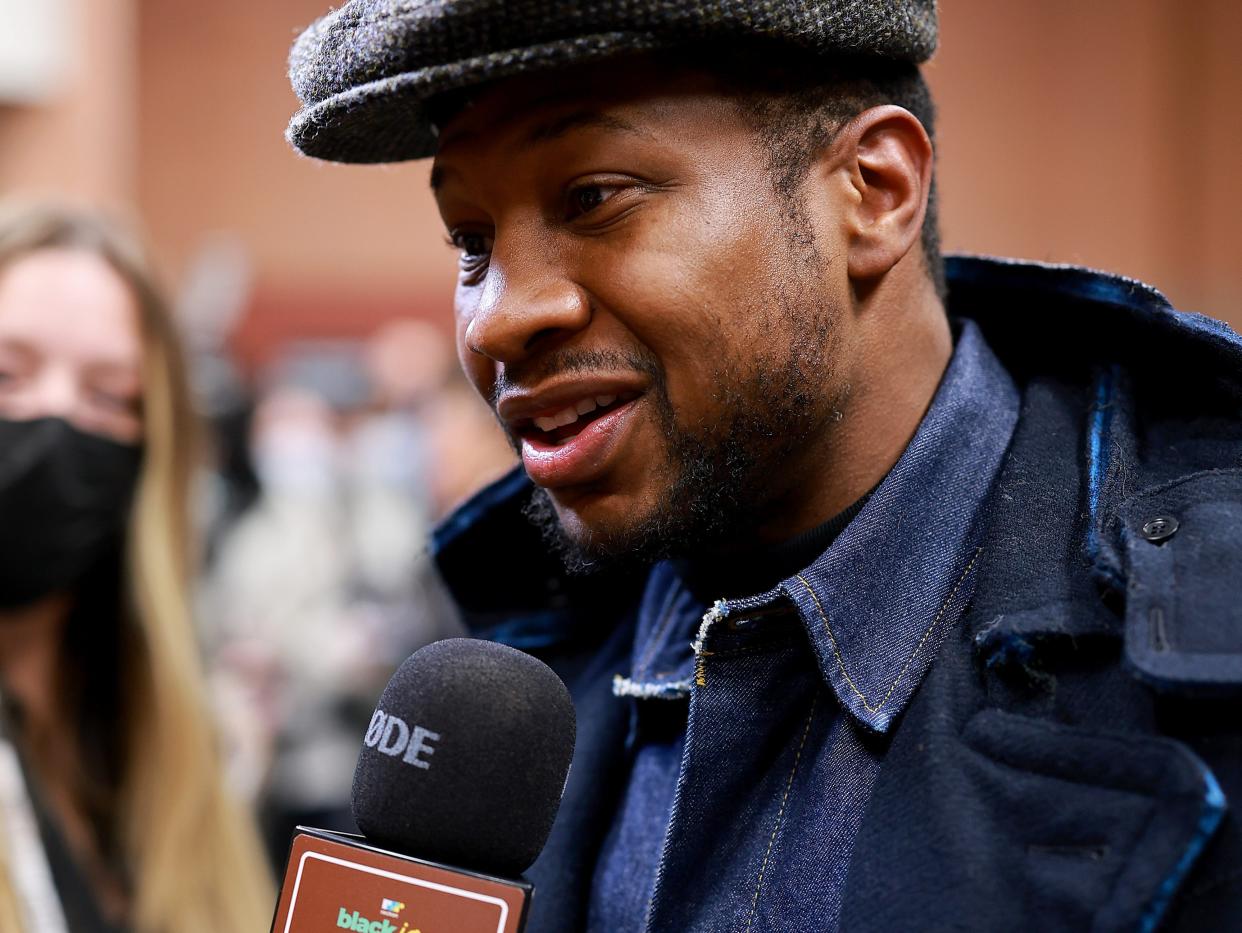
x=113 y=810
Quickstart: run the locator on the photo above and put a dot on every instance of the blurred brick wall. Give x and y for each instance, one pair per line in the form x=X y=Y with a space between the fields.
x=1107 y=133
x=80 y=144
x=336 y=249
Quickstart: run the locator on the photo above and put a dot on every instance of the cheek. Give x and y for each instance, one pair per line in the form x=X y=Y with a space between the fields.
x=691 y=289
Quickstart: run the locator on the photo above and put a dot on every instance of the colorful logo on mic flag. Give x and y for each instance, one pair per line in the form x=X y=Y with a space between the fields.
x=391 y=908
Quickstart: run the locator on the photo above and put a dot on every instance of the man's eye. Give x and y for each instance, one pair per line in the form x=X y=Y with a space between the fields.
x=584 y=199
x=472 y=245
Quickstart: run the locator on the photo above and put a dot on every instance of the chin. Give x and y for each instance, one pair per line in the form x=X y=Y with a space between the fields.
x=595 y=534
x=607 y=527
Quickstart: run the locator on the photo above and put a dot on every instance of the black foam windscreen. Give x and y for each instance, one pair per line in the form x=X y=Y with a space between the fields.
x=465 y=757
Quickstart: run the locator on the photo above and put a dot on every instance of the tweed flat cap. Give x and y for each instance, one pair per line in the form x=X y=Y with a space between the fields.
x=365 y=72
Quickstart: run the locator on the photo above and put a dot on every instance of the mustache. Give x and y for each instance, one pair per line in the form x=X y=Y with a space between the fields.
x=567 y=360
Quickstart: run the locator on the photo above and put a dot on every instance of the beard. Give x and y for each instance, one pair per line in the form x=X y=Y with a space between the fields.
x=720 y=475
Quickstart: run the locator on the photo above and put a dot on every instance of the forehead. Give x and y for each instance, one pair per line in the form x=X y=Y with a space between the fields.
x=69 y=302
x=633 y=96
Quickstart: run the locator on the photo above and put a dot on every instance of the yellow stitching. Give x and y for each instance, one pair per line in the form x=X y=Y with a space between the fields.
x=700 y=668
x=913 y=654
x=780 y=814
x=832 y=638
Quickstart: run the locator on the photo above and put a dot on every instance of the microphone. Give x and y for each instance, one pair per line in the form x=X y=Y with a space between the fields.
x=458 y=782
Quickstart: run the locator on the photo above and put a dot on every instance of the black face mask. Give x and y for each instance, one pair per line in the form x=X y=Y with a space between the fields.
x=64 y=499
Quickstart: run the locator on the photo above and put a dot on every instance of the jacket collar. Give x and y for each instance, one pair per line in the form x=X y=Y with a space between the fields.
x=876 y=604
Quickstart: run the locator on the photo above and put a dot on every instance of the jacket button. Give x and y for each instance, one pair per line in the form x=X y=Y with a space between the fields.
x=1160 y=528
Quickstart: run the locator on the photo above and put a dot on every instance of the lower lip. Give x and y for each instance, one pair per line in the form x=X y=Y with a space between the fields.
x=582 y=457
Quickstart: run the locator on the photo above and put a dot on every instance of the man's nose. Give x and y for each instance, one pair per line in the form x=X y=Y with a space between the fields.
x=526 y=306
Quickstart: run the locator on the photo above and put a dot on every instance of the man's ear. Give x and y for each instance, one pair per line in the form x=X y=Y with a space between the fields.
x=887 y=159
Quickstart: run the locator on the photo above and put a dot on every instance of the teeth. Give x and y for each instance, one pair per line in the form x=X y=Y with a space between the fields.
x=571 y=414
x=557 y=419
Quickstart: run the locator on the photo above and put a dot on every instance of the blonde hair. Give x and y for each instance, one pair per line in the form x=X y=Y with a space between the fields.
x=194 y=860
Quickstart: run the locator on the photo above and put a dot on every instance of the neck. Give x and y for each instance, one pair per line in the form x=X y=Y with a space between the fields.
x=759 y=568
x=30 y=646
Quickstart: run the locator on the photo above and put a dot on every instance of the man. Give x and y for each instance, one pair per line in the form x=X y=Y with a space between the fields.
x=880 y=612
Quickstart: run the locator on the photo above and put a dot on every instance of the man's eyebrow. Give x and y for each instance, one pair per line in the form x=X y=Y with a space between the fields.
x=581 y=119
x=554 y=129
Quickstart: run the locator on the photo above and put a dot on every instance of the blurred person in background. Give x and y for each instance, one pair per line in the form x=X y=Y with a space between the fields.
x=114 y=809
x=325 y=585
x=426 y=409
x=288 y=648
x=465 y=449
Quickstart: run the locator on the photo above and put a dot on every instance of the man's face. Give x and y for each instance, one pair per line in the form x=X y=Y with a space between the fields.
x=656 y=328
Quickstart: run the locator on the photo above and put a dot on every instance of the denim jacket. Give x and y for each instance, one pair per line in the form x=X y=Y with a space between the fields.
x=1067 y=759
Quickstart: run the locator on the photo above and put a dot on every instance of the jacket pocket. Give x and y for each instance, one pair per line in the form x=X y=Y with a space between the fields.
x=1183 y=550
x=1107 y=826
x=1024 y=824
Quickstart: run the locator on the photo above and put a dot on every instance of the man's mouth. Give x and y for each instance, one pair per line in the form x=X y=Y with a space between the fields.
x=573 y=442
x=557 y=427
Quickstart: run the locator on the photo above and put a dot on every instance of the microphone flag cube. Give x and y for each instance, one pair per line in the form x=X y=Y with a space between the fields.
x=335 y=881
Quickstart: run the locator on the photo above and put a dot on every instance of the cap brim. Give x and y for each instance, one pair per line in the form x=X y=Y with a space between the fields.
x=388 y=120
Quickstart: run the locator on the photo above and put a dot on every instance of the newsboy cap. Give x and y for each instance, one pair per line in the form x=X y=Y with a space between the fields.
x=366 y=72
